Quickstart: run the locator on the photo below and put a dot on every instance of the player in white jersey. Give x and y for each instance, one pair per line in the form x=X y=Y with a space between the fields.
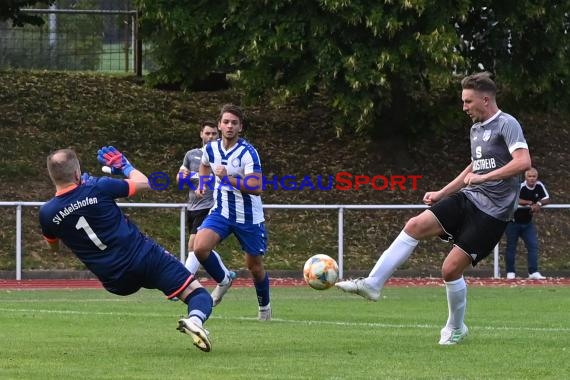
x=237 y=207
x=472 y=210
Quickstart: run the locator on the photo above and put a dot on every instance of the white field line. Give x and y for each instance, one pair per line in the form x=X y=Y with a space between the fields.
x=292 y=321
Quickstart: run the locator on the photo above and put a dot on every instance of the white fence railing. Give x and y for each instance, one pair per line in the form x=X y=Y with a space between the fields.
x=182 y=207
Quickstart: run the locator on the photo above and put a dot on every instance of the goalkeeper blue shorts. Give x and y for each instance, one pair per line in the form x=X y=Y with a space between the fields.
x=158 y=269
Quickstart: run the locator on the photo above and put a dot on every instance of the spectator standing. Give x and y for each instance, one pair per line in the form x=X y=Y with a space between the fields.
x=532 y=196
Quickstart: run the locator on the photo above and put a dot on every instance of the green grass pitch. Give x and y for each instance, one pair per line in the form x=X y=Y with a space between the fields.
x=515 y=333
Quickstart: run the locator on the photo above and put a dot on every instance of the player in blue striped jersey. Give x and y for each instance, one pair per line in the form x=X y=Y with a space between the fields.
x=198 y=206
x=83 y=214
x=237 y=207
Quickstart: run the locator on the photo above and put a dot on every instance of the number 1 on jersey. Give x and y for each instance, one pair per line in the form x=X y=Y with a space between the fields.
x=82 y=223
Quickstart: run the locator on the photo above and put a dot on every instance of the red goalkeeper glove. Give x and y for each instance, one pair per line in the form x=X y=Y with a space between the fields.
x=111 y=157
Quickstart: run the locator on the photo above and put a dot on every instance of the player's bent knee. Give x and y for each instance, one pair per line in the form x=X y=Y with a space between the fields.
x=452 y=270
x=423 y=226
x=450 y=274
x=414 y=227
x=254 y=263
x=201 y=253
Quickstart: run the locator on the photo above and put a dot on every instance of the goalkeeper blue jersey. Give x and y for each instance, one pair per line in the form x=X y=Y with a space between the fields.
x=240 y=160
x=88 y=220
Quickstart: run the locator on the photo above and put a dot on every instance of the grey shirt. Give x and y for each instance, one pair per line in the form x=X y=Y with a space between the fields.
x=191 y=162
x=492 y=143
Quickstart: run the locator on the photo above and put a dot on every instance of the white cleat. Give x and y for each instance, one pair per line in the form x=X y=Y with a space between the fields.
x=264 y=314
x=451 y=336
x=220 y=290
x=199 y=334
x=360 y=287
x=536 y=276
x=511 y=275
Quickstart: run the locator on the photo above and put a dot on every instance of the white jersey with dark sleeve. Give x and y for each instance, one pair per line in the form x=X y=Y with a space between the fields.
x=492 y=145
x=534 y=194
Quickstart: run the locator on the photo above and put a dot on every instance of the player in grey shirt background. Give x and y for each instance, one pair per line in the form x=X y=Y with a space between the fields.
x=472 y=211
x=198 y=206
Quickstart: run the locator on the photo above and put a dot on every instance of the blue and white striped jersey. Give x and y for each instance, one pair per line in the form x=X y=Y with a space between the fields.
x=240 y=160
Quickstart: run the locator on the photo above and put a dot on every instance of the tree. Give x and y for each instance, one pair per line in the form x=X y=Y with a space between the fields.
x=383 y=66
x=526 y=44
x=10 y=10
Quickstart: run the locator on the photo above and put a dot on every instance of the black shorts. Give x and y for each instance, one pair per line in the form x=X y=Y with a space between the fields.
x=195 y=218
x=467 y=227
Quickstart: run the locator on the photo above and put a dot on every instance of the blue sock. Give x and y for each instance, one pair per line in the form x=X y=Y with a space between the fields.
x=199 y=304
x=262 y=290
x=214 y=268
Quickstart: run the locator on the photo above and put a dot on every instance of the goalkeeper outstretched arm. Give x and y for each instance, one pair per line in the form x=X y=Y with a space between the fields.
x=117 y=163
x=139 y=179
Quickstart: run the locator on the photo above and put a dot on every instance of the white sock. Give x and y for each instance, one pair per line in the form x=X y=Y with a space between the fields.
x=196 y=320
x=456 y=302
x=266 y=307
x=192 y=263
x=398 y=252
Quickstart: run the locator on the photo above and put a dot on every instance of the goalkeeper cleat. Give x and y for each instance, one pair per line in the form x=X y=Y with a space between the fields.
x=199 y=334
x=451 y=336
x=360 y=287
x=220 y=290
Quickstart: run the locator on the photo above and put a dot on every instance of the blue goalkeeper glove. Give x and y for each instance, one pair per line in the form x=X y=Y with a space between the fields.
x=111 y=157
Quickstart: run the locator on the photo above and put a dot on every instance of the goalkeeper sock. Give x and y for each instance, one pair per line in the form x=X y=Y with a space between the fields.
x=456 y=302
x=398 y=252
x=199 y=305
